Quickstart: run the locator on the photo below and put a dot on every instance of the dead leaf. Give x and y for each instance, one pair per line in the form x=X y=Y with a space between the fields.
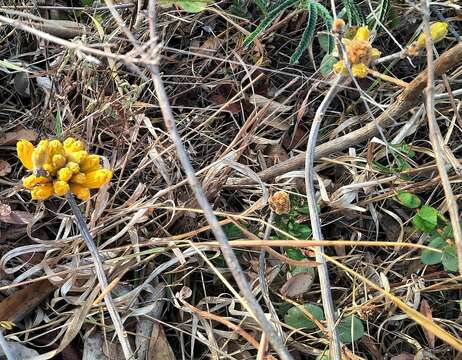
x=297 y=284
x=16 y=217
x=426 y=310
x=5 y=168
x=220 y=100
x=272 y=105
x=159 y=348
x=12 y=137
x=208 y=48
x=371 y=345
x=403 y=356
x=16 y=306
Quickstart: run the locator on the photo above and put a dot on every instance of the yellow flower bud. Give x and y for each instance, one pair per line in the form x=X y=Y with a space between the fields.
x=42 y=192
x=61 y=187
x=49 y=168
x=82 y=192
x=65 y=174
x=55 y=147
x=362 y=34
x=359 y=71
x=25 y=149
x=73 y=145
x=438 y=31
x=73 y=166
x=90 y=163
x=77 y=156
x=32 y=180
x=339 y=68
x=375 y=53
x=59 y=161
x=96 y=179
x=79 y=178
x=40 y=154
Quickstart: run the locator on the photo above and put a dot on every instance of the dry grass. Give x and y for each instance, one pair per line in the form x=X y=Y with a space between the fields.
x=239 y=111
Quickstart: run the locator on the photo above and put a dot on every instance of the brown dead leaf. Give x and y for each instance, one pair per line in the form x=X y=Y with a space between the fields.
x=16 y=306
x=17 y=217
x=5 y=168
x=12 y=137
x=371 y=345
x=159 y=348
x=426 y=310
x=297 y=284
x=208 y=48
x=220 y=100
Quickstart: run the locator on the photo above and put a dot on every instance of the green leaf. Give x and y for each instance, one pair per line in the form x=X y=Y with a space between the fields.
x=426 y=219
x=409 y=200
x=295 y=254
x=350 y=329
x=429 y=257
x=58 y=124
x=87 y=2
x=449 y=258
x=268 y=19
x=324 y=41
x=297 y=319
x=232 y=231
x=327 y=64
x=325 y=14
x=192 y=6
x=300 y=231
x=307 y=37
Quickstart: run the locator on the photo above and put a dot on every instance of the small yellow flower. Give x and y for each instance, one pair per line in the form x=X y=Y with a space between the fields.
x=25 y=149
x=40 y=154
x=55 y=147
x=438 y=31
x=359 y=70
x=49 y=168
x=362 y=34
x=42 y=192
x=73 y=145
x=61 y=187
x=58 y=161
x=82 y=192
x=65 y=174
x=90 y=163
x=75 y=168
x=79 y=178
x=96 y=179
x=77 y=156
x=339 y=68
x=375 y=53
x=31 y=181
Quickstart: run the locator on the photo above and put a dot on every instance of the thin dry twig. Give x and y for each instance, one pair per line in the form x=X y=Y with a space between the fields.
x=326 y=295
x=435 y=135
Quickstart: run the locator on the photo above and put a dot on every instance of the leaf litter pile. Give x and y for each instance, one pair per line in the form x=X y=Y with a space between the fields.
x=256 y=89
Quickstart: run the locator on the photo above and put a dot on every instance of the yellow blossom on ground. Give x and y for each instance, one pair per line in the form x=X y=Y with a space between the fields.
x=25 y=149
x=359 y=71
x=59 y=168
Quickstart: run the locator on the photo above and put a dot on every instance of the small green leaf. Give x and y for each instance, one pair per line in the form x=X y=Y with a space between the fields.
x=409 y=200
x=307 y=37
x=429 y=257
x=192 y=6
x=327 y=64
x=426 y=219
x=350 y=329
x=449 y=258
x=295 y=254
x=87 y=2
x=232 y=231
x=297 y=319
x=324 y=41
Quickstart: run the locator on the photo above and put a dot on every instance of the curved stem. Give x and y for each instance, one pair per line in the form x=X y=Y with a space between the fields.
x=323 y=272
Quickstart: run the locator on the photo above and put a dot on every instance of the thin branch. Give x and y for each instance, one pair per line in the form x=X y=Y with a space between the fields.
x=228 y=253
x=88 y=239
x=435 y=135
x=329 y=310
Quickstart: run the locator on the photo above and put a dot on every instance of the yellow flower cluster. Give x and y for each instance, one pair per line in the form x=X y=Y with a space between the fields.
x=58 y=168
x=359 y=52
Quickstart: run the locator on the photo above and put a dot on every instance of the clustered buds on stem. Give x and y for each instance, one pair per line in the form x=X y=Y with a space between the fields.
x=359 y=52
x=58 y=168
